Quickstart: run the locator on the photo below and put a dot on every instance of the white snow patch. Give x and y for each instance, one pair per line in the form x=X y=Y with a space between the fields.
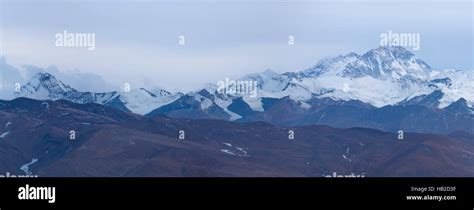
x=254 y=103
x=228 y=152
x=142 y=101
x=224 y=104
x=8 y=124
x=304 y=105
x=471 y=153
x=4 y=134
x=25 y=168
x=344 y=156
x=240 y=151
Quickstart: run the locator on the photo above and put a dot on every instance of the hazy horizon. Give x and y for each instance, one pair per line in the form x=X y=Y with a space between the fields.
x=137 y=42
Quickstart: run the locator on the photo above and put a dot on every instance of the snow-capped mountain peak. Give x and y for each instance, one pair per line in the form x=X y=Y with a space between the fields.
x=387 y=63
x=381 y=76
x=45 y=86
x=380 y=63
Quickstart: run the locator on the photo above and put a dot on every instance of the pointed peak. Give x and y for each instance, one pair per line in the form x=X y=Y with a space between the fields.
x=204 y=92
x=43 y=76
x=461 y=101
x=49 y=81
x=459 y=106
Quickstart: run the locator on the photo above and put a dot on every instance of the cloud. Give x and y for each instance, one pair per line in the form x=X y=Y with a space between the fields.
x=76 y=79
x=137 y=41
x=79 y=80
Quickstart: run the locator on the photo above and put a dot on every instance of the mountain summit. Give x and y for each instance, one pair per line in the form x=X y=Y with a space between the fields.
x=44 y=86
x=387 y=62
x=379 y=63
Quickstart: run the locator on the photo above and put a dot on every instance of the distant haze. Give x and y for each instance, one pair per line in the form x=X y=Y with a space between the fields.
x=137 y=41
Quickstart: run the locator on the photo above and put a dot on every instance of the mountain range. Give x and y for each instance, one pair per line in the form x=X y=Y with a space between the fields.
x=387 y=88
x=344 y=116
x=35 y=140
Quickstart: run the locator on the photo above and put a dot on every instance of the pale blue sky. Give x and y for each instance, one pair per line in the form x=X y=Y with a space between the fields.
x=137 y=41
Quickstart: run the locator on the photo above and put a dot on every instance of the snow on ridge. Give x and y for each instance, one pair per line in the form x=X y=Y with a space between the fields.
x=4 y=134
x=228 y=152
x=25 y=168
x=6 y=125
